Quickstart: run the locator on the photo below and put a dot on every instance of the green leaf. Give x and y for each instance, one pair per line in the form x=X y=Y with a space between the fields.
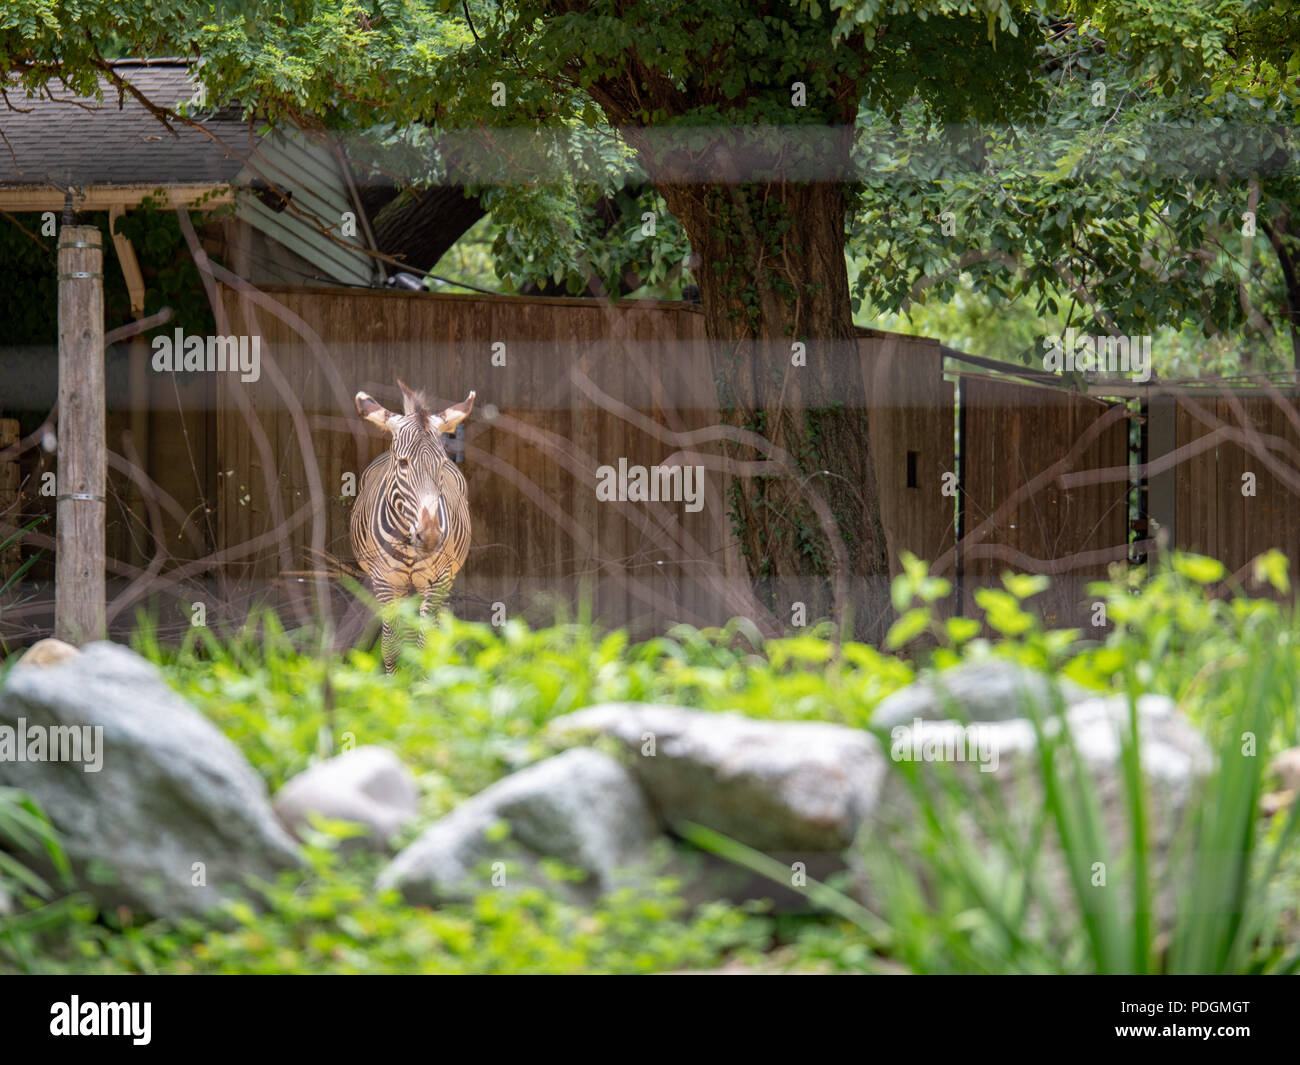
x=961 y=630
x=907 y=628
x=1199 y=569
x=1024 y=585
x=1002 y=612
x=1271 y=567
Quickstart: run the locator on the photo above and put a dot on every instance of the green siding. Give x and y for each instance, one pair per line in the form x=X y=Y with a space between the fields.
x=319 y=190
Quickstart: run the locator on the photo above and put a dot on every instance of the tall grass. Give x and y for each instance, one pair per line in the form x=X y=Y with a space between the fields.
x=29 y=903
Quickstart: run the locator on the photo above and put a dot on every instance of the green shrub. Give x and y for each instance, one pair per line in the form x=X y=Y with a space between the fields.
x=473 y=701
x=29 y=908
x=332 y=921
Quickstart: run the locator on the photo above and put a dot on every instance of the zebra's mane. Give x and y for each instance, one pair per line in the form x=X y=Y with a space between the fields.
x=414 y=402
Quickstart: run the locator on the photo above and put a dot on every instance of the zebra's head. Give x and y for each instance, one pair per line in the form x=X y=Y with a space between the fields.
x=414 y=482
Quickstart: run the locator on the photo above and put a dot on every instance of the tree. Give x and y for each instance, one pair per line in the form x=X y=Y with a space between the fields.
x=1118 y=209
x=742 y=118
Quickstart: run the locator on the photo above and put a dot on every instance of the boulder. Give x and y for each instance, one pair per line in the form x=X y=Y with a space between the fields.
x=788 y=788
x=1174 y=756
x=368 y=786
x=580 y=808
x=156 y=809
x=979 y=691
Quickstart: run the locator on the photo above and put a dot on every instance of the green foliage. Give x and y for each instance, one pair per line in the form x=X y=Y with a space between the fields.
x=28 y=904
x=471 y=703
x=1114 y=210
x=1188 y=643
x=1229 y=868
x=1178 y=42
x=397 y=75
x=29 y=304
x=576 y=237
x=966 y=891
x=333 y=921
x=1060 y=183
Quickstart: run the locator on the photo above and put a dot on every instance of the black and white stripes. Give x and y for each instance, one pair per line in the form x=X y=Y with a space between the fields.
x=410 y=526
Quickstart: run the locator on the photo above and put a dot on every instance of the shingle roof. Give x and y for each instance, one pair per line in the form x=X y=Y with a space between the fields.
x=70 y=140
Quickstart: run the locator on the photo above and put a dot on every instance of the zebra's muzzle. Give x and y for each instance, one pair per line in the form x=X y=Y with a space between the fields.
x=425 y=534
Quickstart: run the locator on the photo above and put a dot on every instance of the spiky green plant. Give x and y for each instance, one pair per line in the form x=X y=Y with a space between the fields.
x=966 y=888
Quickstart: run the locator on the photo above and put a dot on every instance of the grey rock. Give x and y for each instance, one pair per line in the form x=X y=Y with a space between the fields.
x=368 y=786
x=789 y=788
x=1174 y=756
x=1172 y=752
x=580 y=808
x=170 y=790
x=982 y=691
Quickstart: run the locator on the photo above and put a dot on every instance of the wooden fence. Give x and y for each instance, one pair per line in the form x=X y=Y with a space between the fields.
x=1020 y=446
x=564 y=387
x=1066 y=484
x=977 y=474
x=1047 y=477
x=1237 y=470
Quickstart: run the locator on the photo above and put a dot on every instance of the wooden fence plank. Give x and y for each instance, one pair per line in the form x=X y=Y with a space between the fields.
x=911 y=423
x=1014 y=435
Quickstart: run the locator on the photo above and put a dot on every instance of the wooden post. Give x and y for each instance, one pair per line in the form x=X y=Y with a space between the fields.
x=79 y=564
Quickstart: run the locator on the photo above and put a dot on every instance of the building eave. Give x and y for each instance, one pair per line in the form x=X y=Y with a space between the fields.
x=15 y=198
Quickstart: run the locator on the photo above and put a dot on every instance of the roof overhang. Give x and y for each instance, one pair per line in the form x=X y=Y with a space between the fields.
x=17 y=198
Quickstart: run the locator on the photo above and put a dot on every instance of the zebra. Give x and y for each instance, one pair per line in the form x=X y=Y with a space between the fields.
x=410 y=524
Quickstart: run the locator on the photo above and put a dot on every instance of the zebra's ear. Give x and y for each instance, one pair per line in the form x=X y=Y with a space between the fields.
x=455 y=414
x=373 y=411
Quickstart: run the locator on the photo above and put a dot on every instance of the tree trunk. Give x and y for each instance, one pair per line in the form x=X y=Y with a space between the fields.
x=1285 y=245
x=421 y=228
x=769 y=260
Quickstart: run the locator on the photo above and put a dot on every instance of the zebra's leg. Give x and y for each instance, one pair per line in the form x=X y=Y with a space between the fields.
x=391 y=642
x=389 y=638
x=431 y=602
